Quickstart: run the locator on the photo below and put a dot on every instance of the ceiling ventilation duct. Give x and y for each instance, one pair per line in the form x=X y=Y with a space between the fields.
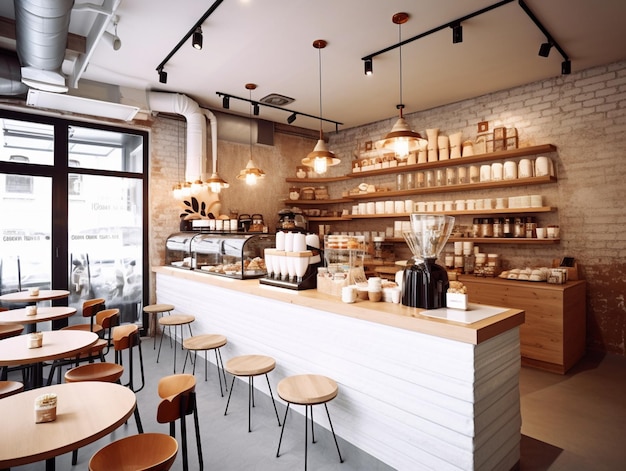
x=41 y=29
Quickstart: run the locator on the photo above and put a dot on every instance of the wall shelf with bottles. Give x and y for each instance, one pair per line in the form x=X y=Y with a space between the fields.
x=493 y=240
x=317 y=202
x=473 y=159
x=312 y=181
x=477 y=212
x=456 y=188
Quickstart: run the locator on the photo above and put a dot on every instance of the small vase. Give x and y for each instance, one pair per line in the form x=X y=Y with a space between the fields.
x=444 y=150
x=455 y=145
x=432 y=144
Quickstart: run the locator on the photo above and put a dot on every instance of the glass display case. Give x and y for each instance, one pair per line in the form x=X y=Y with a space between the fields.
x=178 y=250
x=234 y=255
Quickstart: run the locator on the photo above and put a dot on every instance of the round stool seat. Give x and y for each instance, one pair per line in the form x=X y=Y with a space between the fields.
x=8 y=388
x=105 y=372
x=307 y=389
x=10 y=330
x=250 y=365
x=146 y=451
x=204 y=342
x=158 y=308
x=176 y=319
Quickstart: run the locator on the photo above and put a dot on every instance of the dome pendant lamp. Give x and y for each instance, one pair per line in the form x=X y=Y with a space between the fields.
x=321 y=158
x=251 y=173
x=401 y=139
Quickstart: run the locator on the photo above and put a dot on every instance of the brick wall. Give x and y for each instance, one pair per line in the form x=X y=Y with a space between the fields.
x=583 y=114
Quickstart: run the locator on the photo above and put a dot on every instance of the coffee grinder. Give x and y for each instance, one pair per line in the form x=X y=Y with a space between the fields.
x=424 y=282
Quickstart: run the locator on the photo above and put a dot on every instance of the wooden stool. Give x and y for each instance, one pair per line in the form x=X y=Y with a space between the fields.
x=308 y=390
x=153 y=310
x=8 y=388
x=146 y=451
x=175 y=320
x=251 y=366
x=206 y=342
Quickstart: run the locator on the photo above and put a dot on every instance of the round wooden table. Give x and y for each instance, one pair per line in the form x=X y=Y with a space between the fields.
x=56 y=344
x=86 y=412
x=44 y=295
x=20 y=316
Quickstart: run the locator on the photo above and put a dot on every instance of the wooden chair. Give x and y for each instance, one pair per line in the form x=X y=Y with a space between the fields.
x=178 y=400
x=146 y=452
x=90 y=308
x=308 y=390
x=6 y=331
x=8 y=388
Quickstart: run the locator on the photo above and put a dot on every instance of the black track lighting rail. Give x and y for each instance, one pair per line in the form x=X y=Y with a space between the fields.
x=457 y=23
x=189 y=33
x=292 y=114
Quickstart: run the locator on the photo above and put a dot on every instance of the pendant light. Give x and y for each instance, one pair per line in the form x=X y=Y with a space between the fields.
x=401 y=139
x=251 y=173
x=321 y=158
x=216 y=183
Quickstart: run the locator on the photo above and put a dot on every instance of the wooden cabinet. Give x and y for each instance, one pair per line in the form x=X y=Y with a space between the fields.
x=553 y=334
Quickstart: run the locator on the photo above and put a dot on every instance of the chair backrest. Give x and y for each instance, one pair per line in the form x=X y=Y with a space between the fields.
x=108 y=318
x=10 y=330
x=177 y=397
x=92 y=306
x=125 y=336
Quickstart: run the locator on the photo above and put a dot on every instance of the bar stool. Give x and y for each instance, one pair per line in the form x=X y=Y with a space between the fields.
x=146 y=451
x=175 y=320
x=308 y=390
x=251 y=366
x=206 y=342
x=153 y=310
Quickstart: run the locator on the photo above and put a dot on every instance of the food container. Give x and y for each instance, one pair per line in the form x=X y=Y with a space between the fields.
x=46 y=408
x=307 y=193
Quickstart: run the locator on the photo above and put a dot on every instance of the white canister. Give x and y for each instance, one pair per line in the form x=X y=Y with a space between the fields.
x=509 y=170
x=542 y=166
x=348 y=294
x=487 y=203
x=536 y=201
x=362 y=208
x=409 y=206
x=470 y=204
x=439 y=206
x=355 y=209
x=496 y=171
x=501 y=203
x=525 y=168
x=398 y=207
x=421 y=206
x=447 y=205
x=371 y=207
x=460 y=205
x=299 y=242
x=430 y=206
x=474 y=173
x=485 y=173
x=380 y=207
x=389 y=207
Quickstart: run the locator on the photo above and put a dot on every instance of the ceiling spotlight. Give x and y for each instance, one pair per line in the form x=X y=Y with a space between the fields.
x=226 y=102
x=292 y=117
x=457 y=32
x=368 y=67
x=544 y=49
x=197 y=38
x=255 y=109
x=566 y=67
x=113 y=39
x=162 y=76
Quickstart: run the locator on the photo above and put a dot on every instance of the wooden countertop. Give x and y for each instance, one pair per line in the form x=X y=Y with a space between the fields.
x=393 y=315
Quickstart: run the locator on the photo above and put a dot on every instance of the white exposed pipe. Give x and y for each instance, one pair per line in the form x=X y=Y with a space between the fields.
x=196 y=129
x=213 y=121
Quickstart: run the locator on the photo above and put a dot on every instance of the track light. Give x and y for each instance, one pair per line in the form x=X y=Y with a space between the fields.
x=162 y=76
x=566 y=67
x=197 y=38
x=255 y=109
x=457 y=32
x=368 y=67
x=226 y=102
x=292 y=117
x=544 y=49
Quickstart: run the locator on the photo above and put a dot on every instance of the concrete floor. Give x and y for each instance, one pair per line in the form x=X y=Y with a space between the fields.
x=570 y=422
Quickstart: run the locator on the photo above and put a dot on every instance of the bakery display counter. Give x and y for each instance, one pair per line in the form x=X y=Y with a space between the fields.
x=415 y=391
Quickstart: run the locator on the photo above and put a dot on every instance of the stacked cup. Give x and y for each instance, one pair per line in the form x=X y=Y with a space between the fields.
x=374 y=288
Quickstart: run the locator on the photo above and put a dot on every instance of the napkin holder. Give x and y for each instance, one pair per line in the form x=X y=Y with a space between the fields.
x=34 y=339
x=45 y=408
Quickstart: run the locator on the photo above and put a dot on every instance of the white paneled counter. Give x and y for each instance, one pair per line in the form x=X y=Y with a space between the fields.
x=415 y=391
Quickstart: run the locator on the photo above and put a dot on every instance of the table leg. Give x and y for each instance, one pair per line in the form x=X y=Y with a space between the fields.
x=50 y=464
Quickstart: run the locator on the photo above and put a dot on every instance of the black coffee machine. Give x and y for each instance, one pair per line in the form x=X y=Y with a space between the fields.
x=291 y=219
x=424 y=283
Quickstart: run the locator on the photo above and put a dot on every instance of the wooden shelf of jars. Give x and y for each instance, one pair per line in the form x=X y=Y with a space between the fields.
x=477 y=212
x=494 y=240
x=456 y=188
x=317 y=202
x=313 y=181
x=328 y=218
x=473 y=159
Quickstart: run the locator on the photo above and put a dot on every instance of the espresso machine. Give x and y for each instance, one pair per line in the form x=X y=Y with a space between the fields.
x=424 y=282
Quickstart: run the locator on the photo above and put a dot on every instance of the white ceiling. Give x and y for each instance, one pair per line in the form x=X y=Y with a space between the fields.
x=269 y=42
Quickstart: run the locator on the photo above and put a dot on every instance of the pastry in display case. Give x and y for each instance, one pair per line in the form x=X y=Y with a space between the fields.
x=234 y=255
x=178 y=250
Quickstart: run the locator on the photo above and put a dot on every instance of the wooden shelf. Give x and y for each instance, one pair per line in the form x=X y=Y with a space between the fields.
x=505 y=154
x=456 y=188
x=477 y=212
x=316 y=202
x=313 y=181
x=493 y=240
x=328 y=218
